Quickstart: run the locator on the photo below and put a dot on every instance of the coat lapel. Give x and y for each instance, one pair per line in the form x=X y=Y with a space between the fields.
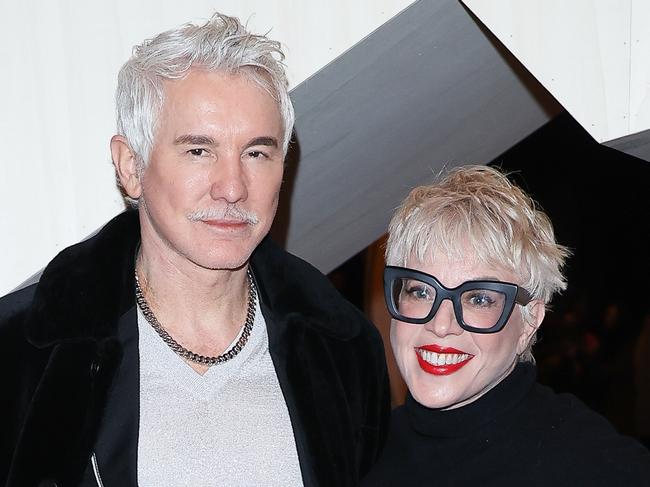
x=317 y=406
x=116 y=447
x=305 y=324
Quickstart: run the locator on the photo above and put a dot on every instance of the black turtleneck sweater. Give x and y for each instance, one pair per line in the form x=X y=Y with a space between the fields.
x=519 y=433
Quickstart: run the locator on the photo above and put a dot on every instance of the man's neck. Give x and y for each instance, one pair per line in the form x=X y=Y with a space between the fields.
x=202 y=309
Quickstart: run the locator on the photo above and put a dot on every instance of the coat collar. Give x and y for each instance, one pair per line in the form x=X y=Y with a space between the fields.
x=292 y=288
x=86 y=288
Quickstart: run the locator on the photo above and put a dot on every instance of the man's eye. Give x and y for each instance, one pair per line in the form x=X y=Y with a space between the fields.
x=197 y=152
x=256 y=154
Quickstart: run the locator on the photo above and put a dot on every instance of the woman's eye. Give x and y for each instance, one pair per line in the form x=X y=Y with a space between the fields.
x=418 y=292
x=480 y=300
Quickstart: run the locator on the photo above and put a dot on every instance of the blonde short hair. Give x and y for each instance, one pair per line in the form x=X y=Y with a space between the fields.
x=478 y=206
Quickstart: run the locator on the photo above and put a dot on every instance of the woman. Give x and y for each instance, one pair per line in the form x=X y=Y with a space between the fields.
x=472 y=265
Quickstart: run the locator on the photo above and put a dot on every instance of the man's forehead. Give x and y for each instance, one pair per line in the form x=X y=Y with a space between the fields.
x=212 y=89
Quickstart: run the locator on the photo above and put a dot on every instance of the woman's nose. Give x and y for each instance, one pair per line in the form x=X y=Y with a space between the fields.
x=444 y=322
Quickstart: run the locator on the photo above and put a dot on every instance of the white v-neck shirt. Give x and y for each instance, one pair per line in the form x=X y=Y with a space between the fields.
x=229 y=427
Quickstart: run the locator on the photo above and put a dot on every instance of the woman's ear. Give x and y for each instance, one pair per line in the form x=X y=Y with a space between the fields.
x=126 y=166
x=536 y=312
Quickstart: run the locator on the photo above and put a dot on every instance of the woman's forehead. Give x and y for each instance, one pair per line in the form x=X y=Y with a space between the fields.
x=463 y=264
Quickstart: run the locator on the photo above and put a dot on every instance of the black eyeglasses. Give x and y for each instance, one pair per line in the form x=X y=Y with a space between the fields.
x=480 y=306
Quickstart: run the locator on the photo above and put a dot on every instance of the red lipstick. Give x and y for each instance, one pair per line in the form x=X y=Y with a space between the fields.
x=438 y=349
x=433 y=351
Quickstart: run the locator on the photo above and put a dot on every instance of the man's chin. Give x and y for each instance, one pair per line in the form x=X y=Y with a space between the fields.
x=224 y=261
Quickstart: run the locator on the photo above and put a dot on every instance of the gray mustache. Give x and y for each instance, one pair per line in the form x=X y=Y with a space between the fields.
x=230 y=212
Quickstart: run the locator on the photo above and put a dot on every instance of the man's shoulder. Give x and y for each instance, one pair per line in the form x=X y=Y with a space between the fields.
x=15 y=348
x=88 y=256
x=15 y=305
x=82 y=286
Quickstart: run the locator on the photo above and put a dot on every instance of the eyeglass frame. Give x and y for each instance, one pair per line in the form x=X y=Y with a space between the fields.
x=514 y=294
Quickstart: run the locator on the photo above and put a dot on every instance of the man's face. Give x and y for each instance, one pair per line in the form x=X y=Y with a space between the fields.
x=210 y=189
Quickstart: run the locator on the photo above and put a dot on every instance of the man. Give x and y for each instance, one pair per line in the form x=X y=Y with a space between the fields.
x=239 y=364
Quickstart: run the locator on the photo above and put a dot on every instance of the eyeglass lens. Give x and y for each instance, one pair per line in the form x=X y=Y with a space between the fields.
x=482 y=308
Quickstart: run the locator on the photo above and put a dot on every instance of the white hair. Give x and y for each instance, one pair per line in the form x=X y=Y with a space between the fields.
x=221 y=44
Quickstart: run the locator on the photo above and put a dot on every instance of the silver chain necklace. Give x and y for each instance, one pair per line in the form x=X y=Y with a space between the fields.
x=188 y=354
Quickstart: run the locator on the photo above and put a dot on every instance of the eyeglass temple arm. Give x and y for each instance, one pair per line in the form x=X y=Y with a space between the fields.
x=523 y=297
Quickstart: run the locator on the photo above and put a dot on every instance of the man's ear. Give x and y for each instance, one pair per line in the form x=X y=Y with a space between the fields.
x=536 y=312
x=126 y=166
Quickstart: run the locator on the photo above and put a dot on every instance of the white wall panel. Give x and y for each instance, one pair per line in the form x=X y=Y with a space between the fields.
x=640 y=68
x=592 y=55
x=428 y=90
x=60 y=62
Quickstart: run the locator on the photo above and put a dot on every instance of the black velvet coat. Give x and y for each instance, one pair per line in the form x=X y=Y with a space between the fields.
x=69 y=346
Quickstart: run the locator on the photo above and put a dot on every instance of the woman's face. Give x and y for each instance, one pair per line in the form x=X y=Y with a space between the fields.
x=474 y=363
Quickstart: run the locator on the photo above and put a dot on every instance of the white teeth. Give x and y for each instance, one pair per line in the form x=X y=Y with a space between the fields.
x=442 y=358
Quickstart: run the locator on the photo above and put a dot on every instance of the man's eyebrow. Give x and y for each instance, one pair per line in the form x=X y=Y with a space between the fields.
x=269 y=141
x=190 y=139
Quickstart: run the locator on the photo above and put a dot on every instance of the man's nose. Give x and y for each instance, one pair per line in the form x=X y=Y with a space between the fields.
x=228 y=180
x=444 y=322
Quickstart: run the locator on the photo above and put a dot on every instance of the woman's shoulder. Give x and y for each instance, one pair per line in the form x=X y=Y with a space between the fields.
x=558 y=413
x=571 y=434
